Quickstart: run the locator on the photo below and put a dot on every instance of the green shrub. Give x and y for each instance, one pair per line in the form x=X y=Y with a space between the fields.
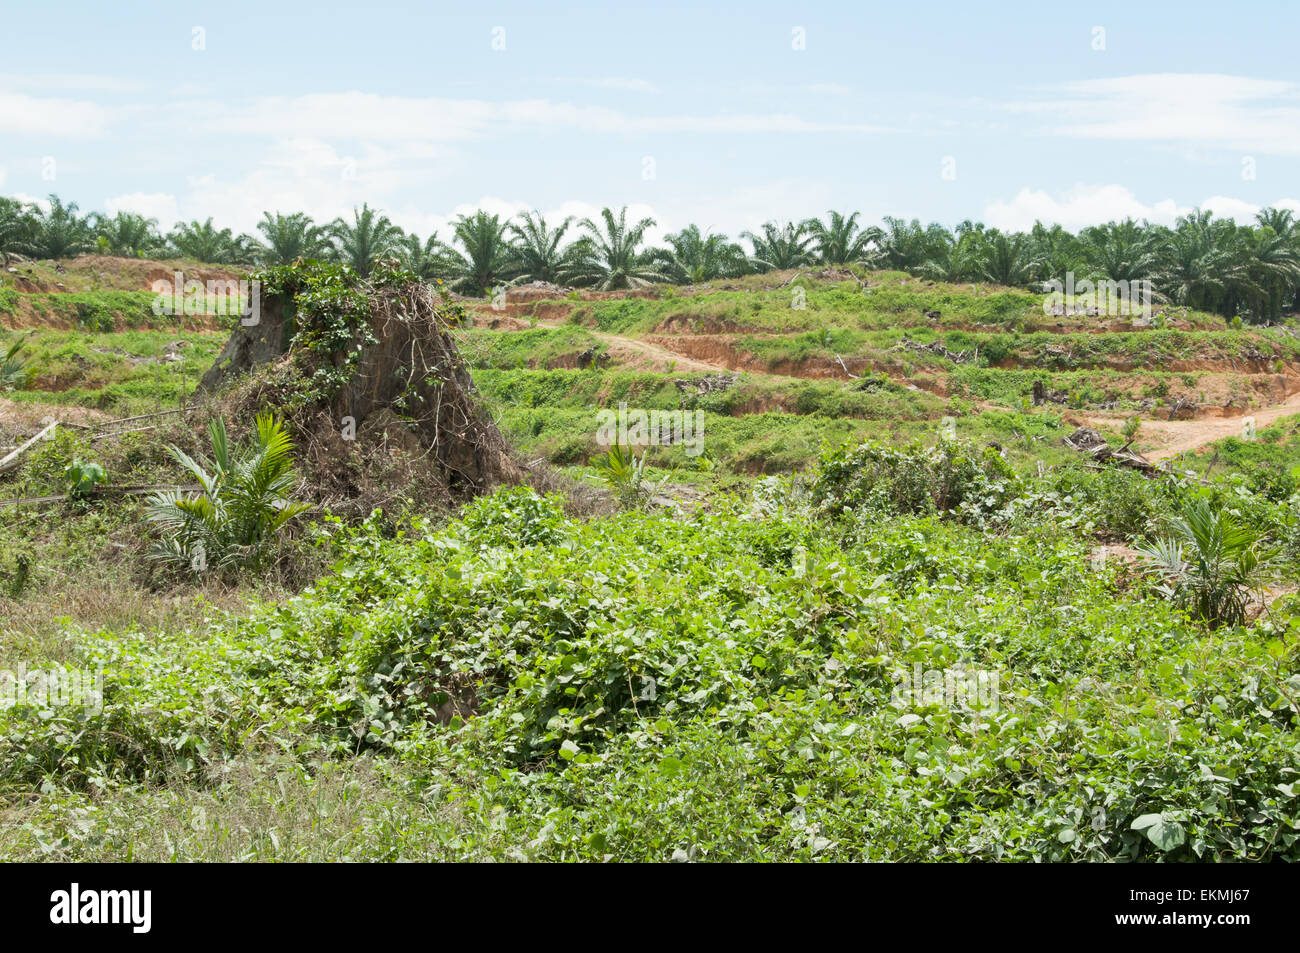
x=81 y=478
x=953 y=477
x=515 y=516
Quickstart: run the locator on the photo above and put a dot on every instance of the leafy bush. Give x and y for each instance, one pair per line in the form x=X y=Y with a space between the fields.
x=82 y=478
x=722 y=686
x=515 y=516
x=953 y=477
x=1113 y=503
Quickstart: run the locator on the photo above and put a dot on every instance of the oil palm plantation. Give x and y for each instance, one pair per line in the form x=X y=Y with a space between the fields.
x=839 y=239
x=609 y=255
x=782 y=246
x=369 y=236
x=480 y=258
x=693 y=256
x=128 y=235
x=62 y=232
x=287 y=238
x=537 y=249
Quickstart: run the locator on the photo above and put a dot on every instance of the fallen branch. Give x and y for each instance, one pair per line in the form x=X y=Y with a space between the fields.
x=1093 y=444
x=104 y=491
x=11 y=460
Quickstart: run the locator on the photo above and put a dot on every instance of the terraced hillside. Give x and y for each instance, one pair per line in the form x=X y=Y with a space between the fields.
x=779 y=361
x=796 y=645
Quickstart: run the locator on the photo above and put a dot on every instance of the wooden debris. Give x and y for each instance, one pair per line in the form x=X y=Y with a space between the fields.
x=708 y=384
x=937 y=347
x=11 y=460
x=1094 y=445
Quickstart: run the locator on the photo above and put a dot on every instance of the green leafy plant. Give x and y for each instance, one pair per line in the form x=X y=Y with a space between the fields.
x=624 y=472
x=1211 y=563
x=515 y=516
x=81 y=478
x=13 y=366
x=1131 y=427
x=244 y=504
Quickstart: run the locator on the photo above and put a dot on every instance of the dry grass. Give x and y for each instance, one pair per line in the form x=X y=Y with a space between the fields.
x=265 y=809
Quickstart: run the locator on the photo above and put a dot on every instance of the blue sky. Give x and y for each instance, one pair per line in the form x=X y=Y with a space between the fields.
x=1002 y=113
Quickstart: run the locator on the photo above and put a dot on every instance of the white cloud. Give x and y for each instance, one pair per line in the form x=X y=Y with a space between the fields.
x=1234 y=112
x=368 y=116
x=1094 y=204
x=46 y=82
x=1225 y=206
x=310 y=176
x=24 y=115
x=156 y=205
x=1083 y=205
x=828 y=89
x=621 y=83
x=42 y=203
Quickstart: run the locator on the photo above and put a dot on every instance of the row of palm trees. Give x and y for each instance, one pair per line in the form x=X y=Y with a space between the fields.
x=1216 y=265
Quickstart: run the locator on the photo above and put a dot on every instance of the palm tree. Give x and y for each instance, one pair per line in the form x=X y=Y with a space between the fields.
x=906 y=246
x=840 y=240
x=1122 y=251
x=17 y=229
x=1009 y=260
x=782 y=247
x=1281 y=220
x=1284 y=224
x=62 y=233
x=128 y=235
x=1211 y=564
x=485 y=259
x=1274 y=266
x=427 y=260
x=244 y=504
x=609 y=258
x=537 y=252
x=13 y=368
x=1192 y=267
x=693 y=256
x=1059 y=252
x=202 y=241
x=288 y=238
x=369 y=236
x=957 y=259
